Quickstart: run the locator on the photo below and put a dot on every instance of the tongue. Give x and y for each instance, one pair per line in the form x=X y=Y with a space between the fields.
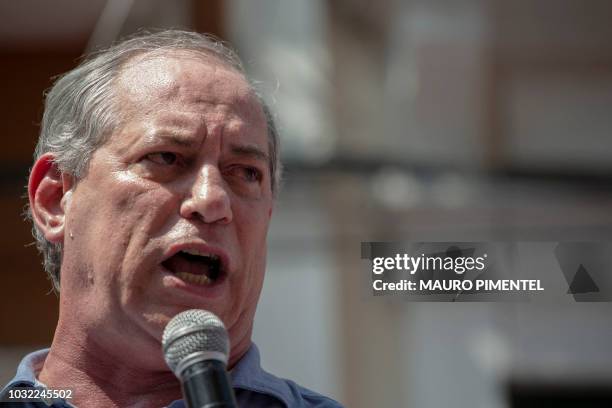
x=180 y=263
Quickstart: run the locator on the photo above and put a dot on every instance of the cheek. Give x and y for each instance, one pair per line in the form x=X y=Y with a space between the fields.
x=143 y=203
x=121 y=219
x=145 y=215
x=252 y=236
x=253 y=218
x=252 y=230
x=257 y=251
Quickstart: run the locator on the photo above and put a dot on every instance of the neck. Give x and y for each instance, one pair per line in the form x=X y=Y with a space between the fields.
x=98 y=380
x=238 y=350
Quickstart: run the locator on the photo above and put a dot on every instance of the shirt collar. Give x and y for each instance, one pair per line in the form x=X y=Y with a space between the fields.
x=247 y=374
x=29 y=366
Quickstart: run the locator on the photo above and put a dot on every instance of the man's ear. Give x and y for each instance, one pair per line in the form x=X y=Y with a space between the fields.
x=49 y=191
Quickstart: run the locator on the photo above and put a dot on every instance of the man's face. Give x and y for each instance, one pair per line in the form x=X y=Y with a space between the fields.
x=174 y=209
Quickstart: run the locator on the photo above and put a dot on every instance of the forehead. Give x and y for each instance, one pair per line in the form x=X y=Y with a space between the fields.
x=152 y=82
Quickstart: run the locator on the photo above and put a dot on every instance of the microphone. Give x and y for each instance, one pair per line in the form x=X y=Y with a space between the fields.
x=196 y=348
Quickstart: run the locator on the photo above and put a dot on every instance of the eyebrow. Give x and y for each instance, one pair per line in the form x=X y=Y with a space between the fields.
x=250 y=150
x=247 y=150
x=172 y=138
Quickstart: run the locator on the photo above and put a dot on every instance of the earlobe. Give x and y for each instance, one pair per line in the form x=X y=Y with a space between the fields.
x=49 y=192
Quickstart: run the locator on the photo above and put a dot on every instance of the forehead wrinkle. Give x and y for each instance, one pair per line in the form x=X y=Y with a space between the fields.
x=178 y=74
x=228 y=87
x=182 y=86
x=249 y=150
x=210 y=99
x=147 y=129
x=164 y=135
x=184 y=124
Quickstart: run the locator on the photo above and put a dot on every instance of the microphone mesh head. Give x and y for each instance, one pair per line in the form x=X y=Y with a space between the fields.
x=193 y=331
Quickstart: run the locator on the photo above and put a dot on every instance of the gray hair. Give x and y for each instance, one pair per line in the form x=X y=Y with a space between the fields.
x=80 y=113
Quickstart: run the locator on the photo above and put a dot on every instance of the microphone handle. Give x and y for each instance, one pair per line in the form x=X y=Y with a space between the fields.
x=206 y=384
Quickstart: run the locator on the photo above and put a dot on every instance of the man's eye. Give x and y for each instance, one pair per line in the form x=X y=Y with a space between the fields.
x=163 y=158
x=249 y=174
x=252 y=174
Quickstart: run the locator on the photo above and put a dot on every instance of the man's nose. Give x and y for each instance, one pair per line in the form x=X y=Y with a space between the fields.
x=209 y=198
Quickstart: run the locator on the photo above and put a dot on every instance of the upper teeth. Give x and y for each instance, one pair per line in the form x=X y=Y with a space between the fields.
x=200 y=253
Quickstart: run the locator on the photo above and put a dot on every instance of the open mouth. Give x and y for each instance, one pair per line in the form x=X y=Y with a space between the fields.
x=196 y=267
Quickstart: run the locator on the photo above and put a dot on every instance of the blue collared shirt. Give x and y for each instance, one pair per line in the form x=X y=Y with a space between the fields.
x=254 y=388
